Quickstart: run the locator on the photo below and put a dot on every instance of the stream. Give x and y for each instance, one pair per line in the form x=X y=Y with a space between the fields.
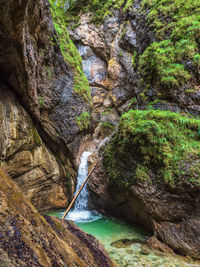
x=123 y=241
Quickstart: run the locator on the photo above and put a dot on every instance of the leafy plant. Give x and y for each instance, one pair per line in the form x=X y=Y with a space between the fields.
x=83 y=121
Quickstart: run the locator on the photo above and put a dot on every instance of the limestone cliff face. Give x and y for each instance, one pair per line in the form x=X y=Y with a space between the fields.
x=27 y=239
x=107 y=66
x=40 y=130
x=113 y=51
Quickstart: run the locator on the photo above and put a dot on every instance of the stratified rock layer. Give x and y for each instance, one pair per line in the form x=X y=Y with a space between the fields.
x=26 y=158
x=26 y=239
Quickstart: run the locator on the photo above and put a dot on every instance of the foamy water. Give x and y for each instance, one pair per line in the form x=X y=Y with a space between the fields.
x=81 y=213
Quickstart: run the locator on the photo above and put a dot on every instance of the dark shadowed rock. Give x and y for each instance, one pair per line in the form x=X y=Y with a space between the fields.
x=172 y=216
x=32 y=65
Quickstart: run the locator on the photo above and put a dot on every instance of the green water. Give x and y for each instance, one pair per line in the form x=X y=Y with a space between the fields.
x=108 y=230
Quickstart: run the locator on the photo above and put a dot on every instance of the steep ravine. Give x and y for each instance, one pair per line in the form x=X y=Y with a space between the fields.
x=42 y=110
x=139 y=57
x=43 y=117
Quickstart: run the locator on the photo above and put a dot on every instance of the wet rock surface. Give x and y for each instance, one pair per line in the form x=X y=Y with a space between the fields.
x=28 y=239
x=107 y=66
x=173 y=216
x=126 y=243
x=39 y=108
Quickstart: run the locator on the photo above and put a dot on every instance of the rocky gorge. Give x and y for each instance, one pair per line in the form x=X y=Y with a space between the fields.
x=126 y=182
x=73 y=73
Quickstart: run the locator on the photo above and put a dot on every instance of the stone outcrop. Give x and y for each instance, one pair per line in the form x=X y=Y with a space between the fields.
x=28 y=239
x=25 y=157
x=150 y=181
x=107 y=66
x=39 y=107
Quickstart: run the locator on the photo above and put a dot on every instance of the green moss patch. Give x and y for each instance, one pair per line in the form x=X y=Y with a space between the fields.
x=69 y=52
x=176 y=25
x=83 y=121
x=99 y=8
x=159 y=146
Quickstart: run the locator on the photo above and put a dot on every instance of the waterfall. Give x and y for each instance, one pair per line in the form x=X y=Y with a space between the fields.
x=82 y=200
x=81 y=213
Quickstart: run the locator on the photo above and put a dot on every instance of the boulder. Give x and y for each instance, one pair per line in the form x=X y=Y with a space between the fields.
x=29 y=239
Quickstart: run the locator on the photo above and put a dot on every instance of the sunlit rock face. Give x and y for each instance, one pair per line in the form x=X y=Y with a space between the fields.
x=106 y=64
x=26 y=158
x=94 y=67
x=28 y=239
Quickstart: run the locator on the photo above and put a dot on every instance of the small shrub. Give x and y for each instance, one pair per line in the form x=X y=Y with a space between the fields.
x=83 y=121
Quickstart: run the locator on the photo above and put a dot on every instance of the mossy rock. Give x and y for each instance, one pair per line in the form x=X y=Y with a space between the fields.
x=100 y=9
x=158 y=146
x=69 y=52
x=176 y=27
x=83 y=121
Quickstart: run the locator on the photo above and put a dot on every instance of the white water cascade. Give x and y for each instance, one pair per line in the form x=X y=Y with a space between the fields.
x=81 y=213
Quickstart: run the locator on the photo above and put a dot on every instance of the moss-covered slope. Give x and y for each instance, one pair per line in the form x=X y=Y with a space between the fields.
x=173 y=59
x=160 y=146
x=69 y=52
x=99 y=8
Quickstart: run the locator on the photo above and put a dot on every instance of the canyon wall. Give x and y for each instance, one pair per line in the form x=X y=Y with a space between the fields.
x=42 y=120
